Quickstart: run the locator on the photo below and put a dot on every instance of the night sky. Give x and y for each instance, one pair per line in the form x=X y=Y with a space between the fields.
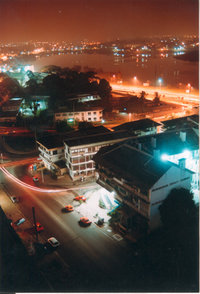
x=103 y=20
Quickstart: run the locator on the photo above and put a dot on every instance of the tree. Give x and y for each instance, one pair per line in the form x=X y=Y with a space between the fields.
x=179 y=216
x=104 y=89
x=63 y=127
x=143 y=95
x=9 y=88
x=178 y=209
x=156 y=100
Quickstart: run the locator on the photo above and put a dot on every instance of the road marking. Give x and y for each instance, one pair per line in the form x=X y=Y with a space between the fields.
x=117 y=237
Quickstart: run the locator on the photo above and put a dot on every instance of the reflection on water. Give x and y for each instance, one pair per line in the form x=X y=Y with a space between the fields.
x=147 y=68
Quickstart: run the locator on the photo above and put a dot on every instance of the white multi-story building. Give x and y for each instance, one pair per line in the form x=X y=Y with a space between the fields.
x=93 y=114
x=79 y=151
x=52 y=154
x=140 y=183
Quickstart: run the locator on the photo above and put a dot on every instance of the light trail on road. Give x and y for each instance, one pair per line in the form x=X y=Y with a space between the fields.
x=168 y=93
x=8 y=174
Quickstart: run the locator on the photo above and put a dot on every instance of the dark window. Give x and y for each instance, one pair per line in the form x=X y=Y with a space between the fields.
x=55 y=152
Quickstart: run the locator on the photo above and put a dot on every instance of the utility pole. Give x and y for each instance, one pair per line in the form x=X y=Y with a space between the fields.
x=34 y=220
x=42 y=175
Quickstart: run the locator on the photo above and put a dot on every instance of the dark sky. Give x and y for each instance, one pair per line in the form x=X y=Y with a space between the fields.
x=75 y=20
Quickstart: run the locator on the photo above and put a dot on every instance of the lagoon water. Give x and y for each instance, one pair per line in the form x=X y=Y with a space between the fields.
x=171 y=70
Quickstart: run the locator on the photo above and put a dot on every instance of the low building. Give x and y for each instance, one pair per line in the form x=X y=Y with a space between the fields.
x=81 y=98
x=90 y=114
x=34 y=102
x=12 y=105
x=139 y=127
x=140 y=183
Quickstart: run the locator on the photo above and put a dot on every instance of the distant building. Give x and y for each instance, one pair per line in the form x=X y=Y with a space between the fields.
x=90 y=114
x=139 y=127
x=28 y=104
x=181 y=123
x=140 y=183
x=84 y=98
x=12 y=105
x=10 y=110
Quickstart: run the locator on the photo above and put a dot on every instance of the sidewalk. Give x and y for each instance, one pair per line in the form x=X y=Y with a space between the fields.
x=25 y=230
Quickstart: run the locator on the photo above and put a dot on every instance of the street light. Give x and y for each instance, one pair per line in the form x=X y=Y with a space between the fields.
x=160 y=82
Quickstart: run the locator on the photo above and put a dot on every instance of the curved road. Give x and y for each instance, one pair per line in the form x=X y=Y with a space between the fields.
x=95 y=261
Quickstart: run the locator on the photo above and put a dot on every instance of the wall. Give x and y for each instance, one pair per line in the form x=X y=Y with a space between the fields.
x=173 y=178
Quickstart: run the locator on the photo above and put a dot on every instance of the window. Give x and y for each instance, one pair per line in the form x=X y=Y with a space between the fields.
x=89 y=118
x=55 y=152
x=89 y=113
x=95 y=118
x=94 y=112
x=57 y=114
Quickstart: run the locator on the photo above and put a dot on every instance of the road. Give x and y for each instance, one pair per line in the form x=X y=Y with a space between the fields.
x=175 y=97
x=94 y=259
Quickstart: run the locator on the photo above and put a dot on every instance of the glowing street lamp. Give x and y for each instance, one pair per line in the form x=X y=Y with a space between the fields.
x=160 y=82
x=188 y=88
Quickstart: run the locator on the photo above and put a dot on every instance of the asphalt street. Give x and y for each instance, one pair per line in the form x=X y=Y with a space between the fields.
x=93 y=260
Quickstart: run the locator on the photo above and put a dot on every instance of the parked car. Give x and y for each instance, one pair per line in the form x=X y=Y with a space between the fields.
x=69 y=208
x=14 y=199
x=53 y=242
x=85 y=221
x=39 y=227
x=20 y=221
x=80 y=198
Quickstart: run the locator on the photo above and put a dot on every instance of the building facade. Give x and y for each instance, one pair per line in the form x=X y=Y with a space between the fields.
x=140 y=183
x=52 y=154
x=79 y=152
x=90 y=115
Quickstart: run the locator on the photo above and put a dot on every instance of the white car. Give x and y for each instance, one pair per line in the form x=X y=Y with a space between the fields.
x=14 y=199
x=53 y=242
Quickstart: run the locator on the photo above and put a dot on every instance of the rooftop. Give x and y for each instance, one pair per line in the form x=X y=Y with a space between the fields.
x=96 y=138
x=78 y=108
x=51 y=141
x=132 y=165
x=182 y=121
x=168 y=142
x=56 y=140
x=137 y=125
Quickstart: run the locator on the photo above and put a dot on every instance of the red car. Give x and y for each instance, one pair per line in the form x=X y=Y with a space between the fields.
x=39 y=227
x=85 y=221
x=80 y=198
x=69 y=208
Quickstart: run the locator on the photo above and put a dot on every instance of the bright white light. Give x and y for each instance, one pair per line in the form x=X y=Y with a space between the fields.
x=164 y=157
x=186 y=154
x=37 y=189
